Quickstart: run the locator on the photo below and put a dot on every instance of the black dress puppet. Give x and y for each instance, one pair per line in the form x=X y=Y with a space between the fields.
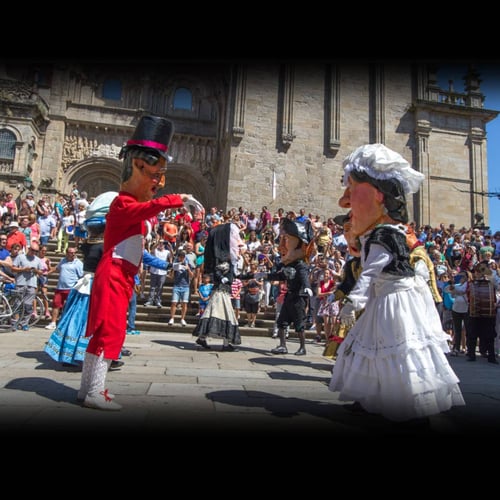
x=218 y=319
x=296 y=240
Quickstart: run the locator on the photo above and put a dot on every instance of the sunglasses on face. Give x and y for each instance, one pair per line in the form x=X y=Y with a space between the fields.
x=151 y=159
x=158 y=171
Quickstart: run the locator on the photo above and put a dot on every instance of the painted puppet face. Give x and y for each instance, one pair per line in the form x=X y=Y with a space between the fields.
x=290 y=246
x=147 y=179
x=366 y=204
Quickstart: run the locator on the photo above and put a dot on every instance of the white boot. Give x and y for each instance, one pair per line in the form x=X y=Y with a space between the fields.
x=97 y=396
x=86 y=376
x=87 y=369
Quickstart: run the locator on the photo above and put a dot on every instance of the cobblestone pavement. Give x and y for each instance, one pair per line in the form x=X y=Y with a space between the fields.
x=169 y=385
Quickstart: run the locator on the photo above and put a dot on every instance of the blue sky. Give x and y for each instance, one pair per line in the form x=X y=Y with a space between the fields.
x=490 y=87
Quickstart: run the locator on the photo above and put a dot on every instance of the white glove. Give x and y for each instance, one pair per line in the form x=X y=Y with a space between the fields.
x=224 y=280
x=83 y=284
x=347 y=315
x=308 y=291
x=193 y=202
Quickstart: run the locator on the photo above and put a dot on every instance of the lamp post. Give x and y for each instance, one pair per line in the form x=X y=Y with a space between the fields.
x=28 y=183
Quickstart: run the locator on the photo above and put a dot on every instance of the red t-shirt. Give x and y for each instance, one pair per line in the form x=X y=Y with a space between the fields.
x=16 y=237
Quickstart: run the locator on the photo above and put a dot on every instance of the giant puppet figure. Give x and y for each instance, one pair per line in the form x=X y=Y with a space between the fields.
x=423 y=265
x=219 y=320
x=296 y=239
x=144 y=167
x=392 y=361
x=350 y=274
x=68 y=343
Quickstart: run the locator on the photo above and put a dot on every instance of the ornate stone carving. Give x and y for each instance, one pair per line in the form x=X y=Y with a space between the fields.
x=14 y=91
x=46 y=182
x=287 y=139
x=200 y=152
x=6 y=166
x=423 y=128
x=477 y=135
x=82 y=144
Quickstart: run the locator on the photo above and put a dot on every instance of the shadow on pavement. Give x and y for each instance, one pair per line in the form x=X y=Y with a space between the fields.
x=274 y=360
x=47 y=363
x=215 y=346
x=298 y=377
x=326 y=418
x=50 y=389
x=177 y=344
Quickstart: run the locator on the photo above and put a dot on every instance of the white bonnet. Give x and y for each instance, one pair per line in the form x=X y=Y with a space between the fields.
x=380 y=162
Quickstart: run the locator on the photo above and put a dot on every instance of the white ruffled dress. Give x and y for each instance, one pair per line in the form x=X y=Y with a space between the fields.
x=393 y=359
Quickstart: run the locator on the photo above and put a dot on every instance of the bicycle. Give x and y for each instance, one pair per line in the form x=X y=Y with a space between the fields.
x=12 y=307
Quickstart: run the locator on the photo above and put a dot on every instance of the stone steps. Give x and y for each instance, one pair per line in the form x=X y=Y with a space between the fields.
x=152 y=318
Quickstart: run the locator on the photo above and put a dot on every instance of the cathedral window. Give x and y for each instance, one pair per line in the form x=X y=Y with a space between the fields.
x=112 y=90
x=183 y=99
x=7 y=145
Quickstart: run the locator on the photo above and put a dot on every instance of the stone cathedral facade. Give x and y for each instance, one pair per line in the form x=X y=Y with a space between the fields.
x=247 y=133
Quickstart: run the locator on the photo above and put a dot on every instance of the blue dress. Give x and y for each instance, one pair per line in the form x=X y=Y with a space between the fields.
x=67 y=344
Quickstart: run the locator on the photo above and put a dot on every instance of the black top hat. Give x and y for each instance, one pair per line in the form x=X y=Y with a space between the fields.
x=303 y=231
x=152 y=132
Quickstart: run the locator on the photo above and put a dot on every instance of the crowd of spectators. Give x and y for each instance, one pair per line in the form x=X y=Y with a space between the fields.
x=451 y=250
x=61 y=220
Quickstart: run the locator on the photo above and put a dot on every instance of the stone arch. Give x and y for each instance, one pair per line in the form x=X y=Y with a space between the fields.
x=14 y=130
x=187 y=179
x=94 y=175
x=97 y=175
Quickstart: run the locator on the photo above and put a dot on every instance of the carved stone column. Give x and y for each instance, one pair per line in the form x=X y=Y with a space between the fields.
x=239 y=97
x=333 y=81
x=478 y=169
x=288 y=77
x=422 y=213
x=377 y=118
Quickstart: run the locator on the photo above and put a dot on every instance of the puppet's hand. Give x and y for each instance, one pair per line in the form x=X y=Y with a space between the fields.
x=193 y=202
x=224 y=280
x=347 y=315
x=308 y=291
